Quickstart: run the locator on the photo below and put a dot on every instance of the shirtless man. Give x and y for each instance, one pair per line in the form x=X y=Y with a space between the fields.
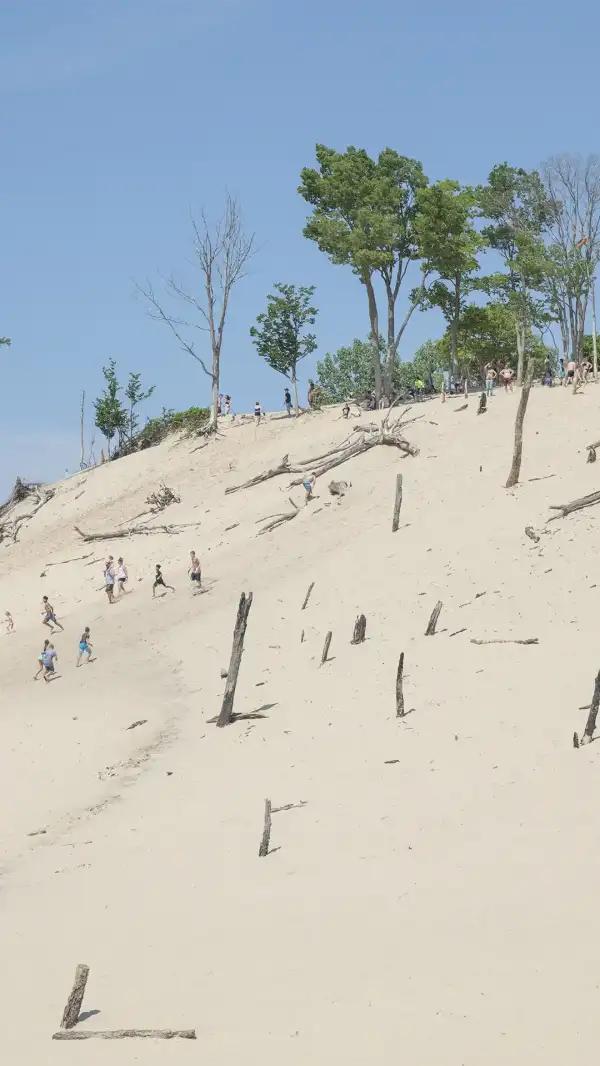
x=570 y=378
x=85 y=647
x=50 y=619
x=159 y=580
x=506 y=377
x=195 y=572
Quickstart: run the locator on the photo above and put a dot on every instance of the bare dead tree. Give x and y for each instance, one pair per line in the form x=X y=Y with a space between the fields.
x=573 y=184
x=515 y=469
x=81 y=432
x=222 y=251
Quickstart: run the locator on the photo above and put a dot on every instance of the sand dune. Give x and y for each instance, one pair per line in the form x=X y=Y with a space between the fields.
x=435 y=897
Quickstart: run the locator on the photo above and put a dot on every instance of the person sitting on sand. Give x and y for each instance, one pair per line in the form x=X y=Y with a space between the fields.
x=49 y=658
x=159 y=580
x=345 y=410
x=85 y=647
x=50 y=619
x=309 y=484
x=195 y=571
x=10 y=625
x=41 y=660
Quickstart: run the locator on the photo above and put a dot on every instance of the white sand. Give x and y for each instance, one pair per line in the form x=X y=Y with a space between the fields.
x=439 y=909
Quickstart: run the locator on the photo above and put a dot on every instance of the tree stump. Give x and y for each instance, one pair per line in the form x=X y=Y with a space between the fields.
x=73 y=1007
x=435 y=614
x=360 y=627
x=237 y=648
x=397 y=504
x=482 y=404
x=266 y=837
x=399 y=689
x=326 y=647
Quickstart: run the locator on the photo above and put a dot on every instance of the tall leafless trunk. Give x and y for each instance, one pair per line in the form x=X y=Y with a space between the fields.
x=81 y=433
x=515 y=469
x=374 y=321
x=295 y=391
x=222 y=252
x=594 y=338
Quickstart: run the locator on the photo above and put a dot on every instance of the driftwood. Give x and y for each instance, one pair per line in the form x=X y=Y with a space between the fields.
x=397 y=504
x=399 y=688
x=574 y=505
x=302 y=637
x=360 y=627
x=279 y=520
x=325 y=652
x=73 y=1006
x=457 y=631
x=531 y=533
x=435 y=614
x=266 y=837
x=481 y=410
x=283 y=468
x=157 y=501
x=463 y=407
x=130 y=531
x=307 y=597
x=74 y=559
x=515 y=469
x=338 y=488
x=289 y=807
x=239 y=632
x=124 y=1034
x=531 y=640
x=10 y=528
x=590 y=725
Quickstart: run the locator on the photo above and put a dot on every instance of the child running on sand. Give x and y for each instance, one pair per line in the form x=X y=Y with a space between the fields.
x=50 y=618
x=309 y=484
x=10 y=625
x=159 y=580
x=41 y=660
x=85 y=647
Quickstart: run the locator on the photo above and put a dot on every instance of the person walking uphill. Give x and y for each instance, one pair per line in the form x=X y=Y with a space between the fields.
x=109 y=579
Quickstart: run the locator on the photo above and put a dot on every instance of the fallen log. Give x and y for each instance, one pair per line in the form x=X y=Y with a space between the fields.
x=124 y=1034
x=515 y=469
x=531 y=640
x=237 y=647
x=399 y=687
x=131 y=531
x=283 y=468
x=574 y=505
x=278 y=520
x=590 y=725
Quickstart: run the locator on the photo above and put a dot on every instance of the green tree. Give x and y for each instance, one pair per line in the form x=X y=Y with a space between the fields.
x=280 y=338
x=519 y=211
x=136 y=395
x=364 y=213
x=429 y=360
x=111 y=416
x=449 y=244
x=349 y=374
x=5 y=340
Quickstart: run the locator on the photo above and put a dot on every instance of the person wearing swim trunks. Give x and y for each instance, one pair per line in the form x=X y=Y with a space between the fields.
x=41 y=660
x=159 y=580
x=195 y=571
x=309 y=484
x=287 y=401
x=85 y=647
x=506 y=377
x=122 y=576
x=49 y=657
x=490 y=377
x=50 y=619
x=570 y=372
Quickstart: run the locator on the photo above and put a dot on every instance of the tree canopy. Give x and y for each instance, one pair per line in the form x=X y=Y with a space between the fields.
x=280 y=336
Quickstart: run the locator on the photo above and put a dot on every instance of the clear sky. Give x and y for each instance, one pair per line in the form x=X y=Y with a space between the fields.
x=117 y=116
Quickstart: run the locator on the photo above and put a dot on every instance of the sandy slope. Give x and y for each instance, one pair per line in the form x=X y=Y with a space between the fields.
x=441 y=907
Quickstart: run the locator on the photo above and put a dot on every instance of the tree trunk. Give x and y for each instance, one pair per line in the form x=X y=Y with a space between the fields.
x=239 y=632
x=520 y=352
x=594 y=343
x=73 y=1007
x=81 y=432
x=374 y=320
x=515 y=469
x=295 y=391
x=454 y=323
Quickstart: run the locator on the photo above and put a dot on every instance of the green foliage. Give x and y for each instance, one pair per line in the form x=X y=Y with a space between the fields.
x=428 y=361
x=169 y=421
x=280 y=338
x=111 y=416
x=136 y=395
x=5 y=340
x=348 y=373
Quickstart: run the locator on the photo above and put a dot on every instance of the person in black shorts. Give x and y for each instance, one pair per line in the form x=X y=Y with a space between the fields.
x=195 y=572
x=159 y=580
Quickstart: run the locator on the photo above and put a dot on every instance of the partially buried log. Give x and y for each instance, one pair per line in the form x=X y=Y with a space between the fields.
x=283 y=468
x=239 y=632
x=531 y=533
x=399 y=687
x=463 y=407
x=397 y=504
x=131 y=531
x=435 y=614
x=590 y=725
x=515 y=469
x=307 y=597
x=591 y=455
x=574 y=505
x=73 y=1007
x=360 y=627
x=266 y=837
x=326 y=647
x=530 y=640
x=124 y=1034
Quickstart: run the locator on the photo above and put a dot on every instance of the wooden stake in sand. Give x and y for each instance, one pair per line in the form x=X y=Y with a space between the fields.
x=123 y=1034
x=73 y=1008
x=237 y=648
x=307 y=597
x=590 y=725
x=397 y=504
x=515 y=469
x=435 y=614
x=360 y=627
x=266 y=837
x=326 y=647
x=399 y=692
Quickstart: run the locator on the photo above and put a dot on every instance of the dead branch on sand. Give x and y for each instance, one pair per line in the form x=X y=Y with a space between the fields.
x=279 y=520
x=530 y=640
x=266 y=837
x=163 y=497
x=574 y=505
x=10 y=528
x=590 y=725
x=131 y=531
x=435 y=614
x=239 y=632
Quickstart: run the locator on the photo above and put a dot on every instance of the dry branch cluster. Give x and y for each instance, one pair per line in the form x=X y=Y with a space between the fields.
x=10 y=527
x=157 y=501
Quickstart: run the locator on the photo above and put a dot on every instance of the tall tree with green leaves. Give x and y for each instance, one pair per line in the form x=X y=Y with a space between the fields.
x=136 y=395
x=5 y=340
x=111 y=417
x=519 y=211
x=364 y=213
x=280 y=337
x=449 y=244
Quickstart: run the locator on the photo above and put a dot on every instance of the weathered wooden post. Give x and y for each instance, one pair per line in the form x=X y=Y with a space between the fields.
x=237 y=648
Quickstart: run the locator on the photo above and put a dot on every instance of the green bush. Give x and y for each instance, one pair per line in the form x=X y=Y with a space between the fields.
x=169 y=421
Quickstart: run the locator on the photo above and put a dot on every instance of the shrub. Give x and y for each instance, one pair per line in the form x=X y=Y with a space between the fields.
x=169 y=421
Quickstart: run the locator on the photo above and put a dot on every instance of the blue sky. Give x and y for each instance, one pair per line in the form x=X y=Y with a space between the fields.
x=119 y=116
